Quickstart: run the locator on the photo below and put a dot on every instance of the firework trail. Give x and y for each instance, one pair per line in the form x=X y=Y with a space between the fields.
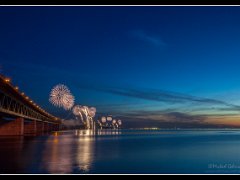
x=77 y=110
x=91 y=114
x=86 y=111
x=81 y=117
x=60 y=96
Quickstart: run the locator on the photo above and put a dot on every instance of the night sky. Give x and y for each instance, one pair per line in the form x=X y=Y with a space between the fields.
x=149 y=66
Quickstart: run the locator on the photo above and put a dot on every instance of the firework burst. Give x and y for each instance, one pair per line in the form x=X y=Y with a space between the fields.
x=91 y=111
x=77 y=109
x=61 y=96
x=119 y=122
x=68 y=101
x=104 y=120
x=114 y=121
x=109 y=118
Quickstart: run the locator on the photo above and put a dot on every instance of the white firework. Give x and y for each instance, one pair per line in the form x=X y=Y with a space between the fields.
x=104 y=120
x=86 y=114
x=57 y=94
x=85 y=110
x=61 y=96
x=68 y=101
x=109 y=118
x=91 y=111
x=77 y=111
x=119 y=122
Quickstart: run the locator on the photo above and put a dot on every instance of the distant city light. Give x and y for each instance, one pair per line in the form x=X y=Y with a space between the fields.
x=7 y=80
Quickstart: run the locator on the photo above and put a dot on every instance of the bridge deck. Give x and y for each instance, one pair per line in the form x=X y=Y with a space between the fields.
x=17 y=104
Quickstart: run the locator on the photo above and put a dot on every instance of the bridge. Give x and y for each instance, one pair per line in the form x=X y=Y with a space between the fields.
x=19 y=115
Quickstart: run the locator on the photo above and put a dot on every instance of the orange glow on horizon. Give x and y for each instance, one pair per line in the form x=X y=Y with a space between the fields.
x=231 y=120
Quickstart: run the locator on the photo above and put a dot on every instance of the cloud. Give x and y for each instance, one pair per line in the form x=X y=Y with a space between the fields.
x=176 y=119
x=182 y=117
x=159 y=95
x=168 y=115
x=207 y=107
x=133 y=122
x=149 y=38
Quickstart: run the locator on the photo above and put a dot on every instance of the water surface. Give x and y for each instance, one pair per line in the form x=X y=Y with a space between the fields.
x=123 y=152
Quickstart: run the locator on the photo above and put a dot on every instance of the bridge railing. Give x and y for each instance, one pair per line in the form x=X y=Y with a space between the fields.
x=14 y=103
x=13 y=107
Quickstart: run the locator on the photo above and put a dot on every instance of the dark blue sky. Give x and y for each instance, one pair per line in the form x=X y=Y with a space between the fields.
x=147 y=65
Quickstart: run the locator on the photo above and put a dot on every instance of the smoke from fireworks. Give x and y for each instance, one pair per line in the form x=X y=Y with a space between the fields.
x=61 y=96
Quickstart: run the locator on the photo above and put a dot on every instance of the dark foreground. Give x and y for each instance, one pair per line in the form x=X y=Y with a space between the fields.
x=145 y=152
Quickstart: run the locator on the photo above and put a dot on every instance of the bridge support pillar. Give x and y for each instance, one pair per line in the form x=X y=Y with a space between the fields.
x=13 y=128
x=40 y=127
x=55 y=127
x=46 y=127
x=50 y=127
x=30 y=128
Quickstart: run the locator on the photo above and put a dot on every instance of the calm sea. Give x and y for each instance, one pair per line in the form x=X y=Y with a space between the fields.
x=123 y=152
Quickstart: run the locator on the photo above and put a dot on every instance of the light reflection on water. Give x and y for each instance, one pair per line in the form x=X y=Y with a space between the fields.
x=85 y=150
x=57 y=154
x=63 y=152
x=119 y=151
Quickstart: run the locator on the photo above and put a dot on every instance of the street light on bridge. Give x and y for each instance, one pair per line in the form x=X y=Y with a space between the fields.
x=7 y=80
